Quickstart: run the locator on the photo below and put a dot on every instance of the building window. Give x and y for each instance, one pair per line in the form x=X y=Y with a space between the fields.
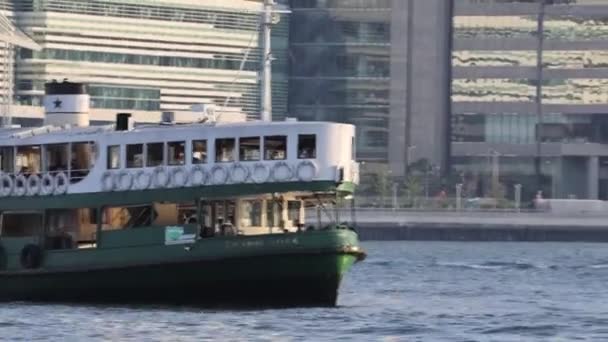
x=176 y=152
x=249 y=149
x=307 y=146
x=199 y=151
x=224 y=150
x=275 y=147
x=154 y=157
x=113 y=157
x=135 y=155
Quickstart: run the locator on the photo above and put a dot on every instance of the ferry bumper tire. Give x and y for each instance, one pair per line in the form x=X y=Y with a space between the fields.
x=198 y=175
x=142 y=180
x=282 y=172
x=31 y=256
x=239 y=173
x=161 y=177
x=260 y=173
x=33 y=185
x=61 y=183
x=6 y=185
x=219 y=175
x=107 y=181
x=179 y=177
x=47 y=184
x=124 y=181
x=306 y=171
x=20 y=185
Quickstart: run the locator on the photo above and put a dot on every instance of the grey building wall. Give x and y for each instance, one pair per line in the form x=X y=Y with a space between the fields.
x=430 y=79
x=530 y=84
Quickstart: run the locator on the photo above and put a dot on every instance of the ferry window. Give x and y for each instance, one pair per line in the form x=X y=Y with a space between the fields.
x=251 y=214
x=155 y=154
x=135 y=155
x=293 y=211
x=249 y=149
x=83 y=157
x=224 y=150
x=17 y=224
x=176 y=152
x=275 y=147
x=199 y=151
x=272 y=213
x=113 y=157
x=307 y=146
x=56 y=157
x=28 y=159
x=7 y=159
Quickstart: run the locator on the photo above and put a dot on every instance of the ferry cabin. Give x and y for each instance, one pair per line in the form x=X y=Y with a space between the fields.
x=89 y=187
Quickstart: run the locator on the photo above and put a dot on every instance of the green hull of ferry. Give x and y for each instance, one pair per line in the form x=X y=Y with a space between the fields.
x=292 y=269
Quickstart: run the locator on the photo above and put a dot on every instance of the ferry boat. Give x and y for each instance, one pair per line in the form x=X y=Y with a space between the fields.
x=201 y=212
x=192 y=213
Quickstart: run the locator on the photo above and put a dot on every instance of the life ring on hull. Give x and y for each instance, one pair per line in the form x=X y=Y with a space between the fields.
x=61 y=183
x=161 y=177
x=33 y=185
x=20 y=185
x=124 y=181
x=198 y=175
x=306 y=171
x=260 y=173
x=219 y=175
x=107 y=181
x=47 y=184
x=31 y=256
x=143 y=180
x=239 y=173
x=282 y=172
x=179 y=177
x=6 y=185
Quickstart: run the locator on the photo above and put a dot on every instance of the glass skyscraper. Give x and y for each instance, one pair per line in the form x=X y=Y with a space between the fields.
x=149 y=56
x=340 y=67
x=530 y=96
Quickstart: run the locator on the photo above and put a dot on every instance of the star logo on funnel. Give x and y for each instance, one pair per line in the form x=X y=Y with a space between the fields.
x=57 y=103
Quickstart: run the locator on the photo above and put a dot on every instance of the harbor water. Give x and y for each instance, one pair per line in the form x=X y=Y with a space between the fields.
x=404 y=291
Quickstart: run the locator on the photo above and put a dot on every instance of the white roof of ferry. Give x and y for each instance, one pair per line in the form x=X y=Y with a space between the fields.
x=18 y=136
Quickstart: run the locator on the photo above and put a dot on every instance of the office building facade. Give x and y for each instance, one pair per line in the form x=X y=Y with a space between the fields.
x=529 y=96
x=147 y=56
x=353 y=61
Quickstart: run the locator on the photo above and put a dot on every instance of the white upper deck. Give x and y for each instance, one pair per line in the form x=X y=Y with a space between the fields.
x=54 y=160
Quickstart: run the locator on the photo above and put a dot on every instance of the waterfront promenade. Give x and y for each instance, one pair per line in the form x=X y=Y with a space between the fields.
x=405 y=224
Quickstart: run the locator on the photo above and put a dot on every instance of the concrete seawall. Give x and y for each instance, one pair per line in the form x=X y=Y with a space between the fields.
x=387 y=224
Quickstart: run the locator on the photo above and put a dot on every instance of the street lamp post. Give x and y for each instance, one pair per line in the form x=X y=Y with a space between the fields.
x=458 y=196
x=517 y=197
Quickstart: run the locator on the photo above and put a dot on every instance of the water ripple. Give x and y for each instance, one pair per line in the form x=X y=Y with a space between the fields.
x=405 y=291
